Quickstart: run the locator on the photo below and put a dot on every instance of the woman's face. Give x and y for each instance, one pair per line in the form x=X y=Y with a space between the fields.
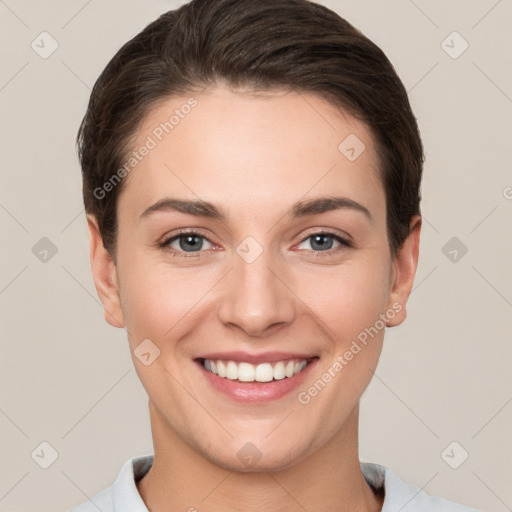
x=262 y=285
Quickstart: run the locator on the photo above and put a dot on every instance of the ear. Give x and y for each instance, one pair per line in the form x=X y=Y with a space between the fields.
x=404 y=270
x=104 y=273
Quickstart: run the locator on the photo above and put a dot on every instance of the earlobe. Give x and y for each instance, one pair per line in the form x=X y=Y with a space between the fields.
x=404 y=270
x=104 y=273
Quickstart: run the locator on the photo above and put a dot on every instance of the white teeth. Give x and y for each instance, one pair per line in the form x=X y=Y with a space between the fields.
x=300 y=366
x=221 y=369
x=279 y=371
x=231 y=371
x=247 y=372
x=264 y=373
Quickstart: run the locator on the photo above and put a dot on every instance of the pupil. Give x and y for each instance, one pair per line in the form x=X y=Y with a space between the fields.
x=317 y=239
x=192 y=240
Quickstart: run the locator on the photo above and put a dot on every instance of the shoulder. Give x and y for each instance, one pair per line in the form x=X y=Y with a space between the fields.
x=400 y=494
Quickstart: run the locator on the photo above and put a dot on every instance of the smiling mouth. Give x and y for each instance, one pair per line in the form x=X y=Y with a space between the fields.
x=263 y=372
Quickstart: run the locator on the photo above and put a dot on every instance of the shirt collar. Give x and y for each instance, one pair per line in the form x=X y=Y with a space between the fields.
x=125 y=495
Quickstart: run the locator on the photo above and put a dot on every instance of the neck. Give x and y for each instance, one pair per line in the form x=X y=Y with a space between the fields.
x=330 y=479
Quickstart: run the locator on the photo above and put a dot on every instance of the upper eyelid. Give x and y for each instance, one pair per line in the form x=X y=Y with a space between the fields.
x=325 y=231
x=319 y=231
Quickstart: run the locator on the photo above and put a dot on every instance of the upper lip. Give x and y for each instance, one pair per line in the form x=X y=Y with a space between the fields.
x=264 y=357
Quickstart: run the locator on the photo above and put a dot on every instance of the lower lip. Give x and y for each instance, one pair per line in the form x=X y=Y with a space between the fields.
x=256 y=391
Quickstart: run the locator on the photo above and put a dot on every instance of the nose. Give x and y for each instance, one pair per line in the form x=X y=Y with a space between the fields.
x=257 y=297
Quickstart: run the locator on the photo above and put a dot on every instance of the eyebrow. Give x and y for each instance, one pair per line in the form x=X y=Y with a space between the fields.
x=298 y=209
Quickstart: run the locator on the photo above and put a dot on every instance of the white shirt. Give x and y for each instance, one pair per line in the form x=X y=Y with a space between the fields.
x=123 y=495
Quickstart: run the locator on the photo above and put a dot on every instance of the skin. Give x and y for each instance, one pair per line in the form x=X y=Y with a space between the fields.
x=254 y=155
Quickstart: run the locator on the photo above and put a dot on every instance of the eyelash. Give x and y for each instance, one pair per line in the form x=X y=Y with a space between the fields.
x=182 y=254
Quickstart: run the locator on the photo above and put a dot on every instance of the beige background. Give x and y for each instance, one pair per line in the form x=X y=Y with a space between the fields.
x=66 y=375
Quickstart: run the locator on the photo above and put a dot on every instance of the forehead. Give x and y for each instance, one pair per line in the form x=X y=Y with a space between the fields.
x=251 y=151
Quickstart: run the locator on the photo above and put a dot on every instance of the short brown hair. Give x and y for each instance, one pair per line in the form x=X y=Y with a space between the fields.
x=260 y=45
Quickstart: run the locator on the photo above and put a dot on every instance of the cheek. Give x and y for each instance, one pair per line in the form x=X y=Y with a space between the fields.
x=349 y=302
x=347 y=298
x=158 y=301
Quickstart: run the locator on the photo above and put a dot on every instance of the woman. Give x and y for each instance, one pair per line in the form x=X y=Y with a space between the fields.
x=252 y=178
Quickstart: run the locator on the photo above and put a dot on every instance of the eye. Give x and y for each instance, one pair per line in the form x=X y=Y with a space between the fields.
x=185 y=242
x=323 y=242
x=192 y=242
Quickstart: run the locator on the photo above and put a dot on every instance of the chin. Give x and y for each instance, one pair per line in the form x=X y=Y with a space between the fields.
x=248 y=457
